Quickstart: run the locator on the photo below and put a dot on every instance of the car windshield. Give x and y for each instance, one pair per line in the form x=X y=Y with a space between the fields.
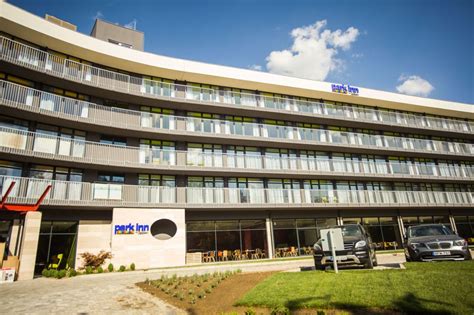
x=428 y=230
x=350 y=230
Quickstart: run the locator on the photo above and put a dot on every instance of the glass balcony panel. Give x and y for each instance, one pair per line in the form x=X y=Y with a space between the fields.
x=11 y=139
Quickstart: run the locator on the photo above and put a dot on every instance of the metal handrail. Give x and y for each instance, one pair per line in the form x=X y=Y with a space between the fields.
x=17 y=96
x=53 y=147
x=33 y=58
x=112 y=194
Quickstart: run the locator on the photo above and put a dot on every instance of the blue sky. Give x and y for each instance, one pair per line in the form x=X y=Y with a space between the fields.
x=422 y=47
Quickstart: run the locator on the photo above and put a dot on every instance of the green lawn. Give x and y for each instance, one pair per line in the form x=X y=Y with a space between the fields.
x=435 y=288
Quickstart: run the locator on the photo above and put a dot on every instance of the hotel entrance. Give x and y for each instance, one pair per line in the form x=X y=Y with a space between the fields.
x=56 y=246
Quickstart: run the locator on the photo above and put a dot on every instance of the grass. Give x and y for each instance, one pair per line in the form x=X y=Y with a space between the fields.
x=435 y=288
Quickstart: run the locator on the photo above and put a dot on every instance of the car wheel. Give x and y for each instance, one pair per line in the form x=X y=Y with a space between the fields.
x=469 y=255
x=320 y=267
x=375 y=263
x=369 y=264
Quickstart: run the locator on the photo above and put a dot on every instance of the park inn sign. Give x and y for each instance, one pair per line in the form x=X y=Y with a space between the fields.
x=127 y=229
x=344 y=89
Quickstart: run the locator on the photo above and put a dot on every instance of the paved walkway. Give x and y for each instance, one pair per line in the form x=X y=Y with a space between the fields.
x=116 y=293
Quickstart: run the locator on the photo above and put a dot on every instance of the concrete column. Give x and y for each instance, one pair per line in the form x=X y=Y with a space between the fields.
x=15 y=238
x=453 y=224
x=401 y=226
x=269 y=228
x=29 y=245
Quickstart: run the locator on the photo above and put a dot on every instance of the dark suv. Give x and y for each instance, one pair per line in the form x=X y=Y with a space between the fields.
x=428 y=242
x=358 y=249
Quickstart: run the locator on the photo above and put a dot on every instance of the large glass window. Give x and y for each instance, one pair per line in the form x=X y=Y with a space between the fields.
x=384 y=231
x=56 y=245
x=465 y=227
x=208 y=155
x=157 y=152
x=227 y=240
x=294 y=237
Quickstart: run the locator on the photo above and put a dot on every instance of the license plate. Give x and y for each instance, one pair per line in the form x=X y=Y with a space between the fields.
x=441 y=253
x=338 y=258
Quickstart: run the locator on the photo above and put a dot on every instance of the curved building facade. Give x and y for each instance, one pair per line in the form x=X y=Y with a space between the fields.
x=165 y=162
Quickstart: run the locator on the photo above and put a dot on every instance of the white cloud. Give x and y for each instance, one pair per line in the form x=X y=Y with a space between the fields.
x=313 y=52
x=98 y=15
x=414 y=85
x=255 y=67
x=132 y=24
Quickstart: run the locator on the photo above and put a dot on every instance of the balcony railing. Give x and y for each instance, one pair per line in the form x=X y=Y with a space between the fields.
x=28 y=190
x=25 y=98
x=37 y=144
x=33 y=58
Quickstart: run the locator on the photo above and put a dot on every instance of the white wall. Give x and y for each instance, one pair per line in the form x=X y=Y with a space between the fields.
x=144 y=249
x=92 y=237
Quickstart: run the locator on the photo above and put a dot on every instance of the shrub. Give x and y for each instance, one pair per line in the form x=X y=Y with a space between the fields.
x=320 y=312
x=208 y=290
x=72 y=272
x=190 y=291
x=122 y=268
x=89 y=270
x=280 y=310
x=201 y=295
x=180 y=296
x=132 y=266
x=94 y=261
x=110 y=267
x=53 y=273
x=45 y=273
x=192 y=300
x=100 y=269
x=250 y=311
x=61 y=274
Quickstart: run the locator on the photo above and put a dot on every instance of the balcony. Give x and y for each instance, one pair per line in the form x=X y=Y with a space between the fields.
x=44 y=146
x=38 y=60
x=28 y=190
x=27 y=99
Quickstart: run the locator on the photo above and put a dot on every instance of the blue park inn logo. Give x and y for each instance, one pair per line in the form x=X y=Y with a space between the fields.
x=131 y=229
x=344 y=89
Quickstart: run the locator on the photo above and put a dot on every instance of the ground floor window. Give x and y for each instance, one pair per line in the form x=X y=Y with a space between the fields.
x=384 y=231
x=5 y=226
x=56 y=245
x=465 y=227
x=293 y=237
x=415 y=220
x=227 y=240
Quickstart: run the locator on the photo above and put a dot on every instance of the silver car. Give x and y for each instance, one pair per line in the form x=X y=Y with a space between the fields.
x=429 y=242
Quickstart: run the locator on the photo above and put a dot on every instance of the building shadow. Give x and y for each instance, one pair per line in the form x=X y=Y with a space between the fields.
x=407 y=304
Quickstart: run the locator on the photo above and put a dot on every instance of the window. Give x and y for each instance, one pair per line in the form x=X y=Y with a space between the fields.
x=157 y=152
x=229 y=239
x=61 y=141
x=208 y=155
x=113 y=140
x=156 y=180
x=154 y=117
x=55 y=173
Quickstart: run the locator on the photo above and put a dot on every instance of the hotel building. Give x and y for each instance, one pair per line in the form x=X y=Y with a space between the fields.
x=164 y=161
